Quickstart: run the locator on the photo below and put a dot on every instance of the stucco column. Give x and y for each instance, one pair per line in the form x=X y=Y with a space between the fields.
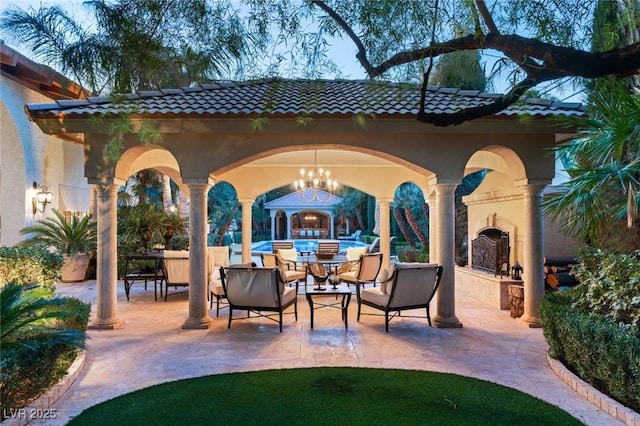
x=533 y=261
x=288 y=226
x=445 y=255
x=433 y=228
x=247 y=228
x=198 y=312
x=273 y=225
x=332 y=232
x=107 y=258
x=385 y=230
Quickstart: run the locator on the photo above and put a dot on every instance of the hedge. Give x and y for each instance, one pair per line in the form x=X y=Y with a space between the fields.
x=34 y=265
x=601 y=352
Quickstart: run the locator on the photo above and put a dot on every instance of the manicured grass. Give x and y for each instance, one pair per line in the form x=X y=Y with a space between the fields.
x=327 y=396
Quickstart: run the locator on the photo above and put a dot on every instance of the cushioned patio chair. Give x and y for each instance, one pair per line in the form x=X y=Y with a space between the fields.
x=290 y=276
x=257 y=290
x=353 y=257
x=365 y=270
x=289 y=259
x=176 y=269
x=411 y=286
x=217 y=256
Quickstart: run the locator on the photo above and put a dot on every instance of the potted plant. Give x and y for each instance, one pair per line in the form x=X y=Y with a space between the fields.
x=173 y=224
x=139 y=224
x=75 y=241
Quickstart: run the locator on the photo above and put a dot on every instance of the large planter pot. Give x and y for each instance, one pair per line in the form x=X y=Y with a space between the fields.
x=75 y=267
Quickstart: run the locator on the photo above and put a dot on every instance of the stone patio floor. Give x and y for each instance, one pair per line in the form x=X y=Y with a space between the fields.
x=152 y=348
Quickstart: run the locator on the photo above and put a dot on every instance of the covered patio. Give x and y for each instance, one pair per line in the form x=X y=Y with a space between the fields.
x=208 y=135
x=153 y=349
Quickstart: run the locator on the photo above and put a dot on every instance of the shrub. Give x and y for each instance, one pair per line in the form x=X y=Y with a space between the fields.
x=600 y=351
x=33 y=265
x=40 y=335
x=610 y=284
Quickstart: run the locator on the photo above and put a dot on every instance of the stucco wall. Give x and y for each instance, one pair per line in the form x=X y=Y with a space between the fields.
x=28 y=155
x=497 y=203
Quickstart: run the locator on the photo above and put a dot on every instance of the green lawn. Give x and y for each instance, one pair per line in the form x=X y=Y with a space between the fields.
x=327 y=396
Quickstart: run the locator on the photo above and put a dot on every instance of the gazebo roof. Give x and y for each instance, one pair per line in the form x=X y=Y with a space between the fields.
x=281 y=97
x=294 y=202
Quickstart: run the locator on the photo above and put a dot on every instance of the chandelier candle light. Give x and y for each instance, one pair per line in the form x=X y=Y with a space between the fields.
x=315 y=184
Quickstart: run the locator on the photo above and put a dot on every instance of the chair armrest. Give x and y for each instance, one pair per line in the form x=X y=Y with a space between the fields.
x=344 y=267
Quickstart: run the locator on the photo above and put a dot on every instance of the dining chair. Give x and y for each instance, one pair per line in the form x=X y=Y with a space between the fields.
x=366 y=270
x=176 y=269
x=290 y=276
x=281 y=245
x=328 y=248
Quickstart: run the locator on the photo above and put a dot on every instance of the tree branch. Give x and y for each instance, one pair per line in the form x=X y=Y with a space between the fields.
x=459 y=117
x=486 y=16
x=362 y=52
x=553 y=61
x=539 y=60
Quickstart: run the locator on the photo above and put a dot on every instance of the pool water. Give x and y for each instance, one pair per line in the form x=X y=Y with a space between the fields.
x=305 y=245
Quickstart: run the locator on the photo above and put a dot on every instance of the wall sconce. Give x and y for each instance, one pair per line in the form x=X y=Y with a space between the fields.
x=517 y=270
x=42 y=196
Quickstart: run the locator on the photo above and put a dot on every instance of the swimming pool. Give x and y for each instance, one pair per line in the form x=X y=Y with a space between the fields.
x=304 y=245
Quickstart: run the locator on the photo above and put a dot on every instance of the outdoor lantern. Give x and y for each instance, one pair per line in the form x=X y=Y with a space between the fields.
x=516 y=270
x=42 y=197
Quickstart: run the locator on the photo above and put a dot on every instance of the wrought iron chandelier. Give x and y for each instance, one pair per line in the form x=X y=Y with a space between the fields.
x=316 y=184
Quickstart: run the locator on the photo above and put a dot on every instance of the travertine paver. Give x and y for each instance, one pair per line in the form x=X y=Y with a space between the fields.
x=153 y=348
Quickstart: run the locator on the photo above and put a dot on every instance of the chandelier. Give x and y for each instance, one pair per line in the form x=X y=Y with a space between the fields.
x=316 y=184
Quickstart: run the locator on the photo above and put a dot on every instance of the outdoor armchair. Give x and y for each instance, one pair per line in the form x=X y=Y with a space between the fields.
x=217 y=257
x=257 y=290
x=411 y=286
x=365 y=271
x=176 y=269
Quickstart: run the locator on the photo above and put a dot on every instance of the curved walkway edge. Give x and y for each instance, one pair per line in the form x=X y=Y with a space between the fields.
x=594 y=396
x=41 y=407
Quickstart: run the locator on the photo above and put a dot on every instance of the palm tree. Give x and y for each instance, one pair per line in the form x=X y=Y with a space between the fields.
x=604 y=166
x=407 y=196
x=223 y=205
x=352 y=204
x=403 y=225
x=135 y=45
x=167 y=199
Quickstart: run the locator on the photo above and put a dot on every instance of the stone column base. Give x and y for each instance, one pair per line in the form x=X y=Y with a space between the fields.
x=447 y=322
x=197 y=324
x=106 y=325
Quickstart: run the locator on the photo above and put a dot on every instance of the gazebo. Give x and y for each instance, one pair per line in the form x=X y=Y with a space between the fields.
x=250 y=135
x=299 y=216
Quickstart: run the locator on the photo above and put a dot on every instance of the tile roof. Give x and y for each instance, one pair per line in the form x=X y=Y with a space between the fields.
x=296 y=97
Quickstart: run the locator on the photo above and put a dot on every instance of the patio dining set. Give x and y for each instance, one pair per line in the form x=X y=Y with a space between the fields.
x=269 y=290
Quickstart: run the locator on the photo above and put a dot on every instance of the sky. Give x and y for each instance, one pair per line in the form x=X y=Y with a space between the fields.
x=342 y=51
